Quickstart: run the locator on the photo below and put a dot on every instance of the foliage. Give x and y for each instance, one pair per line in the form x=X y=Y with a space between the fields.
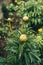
x=29 y=52
x=33 y=9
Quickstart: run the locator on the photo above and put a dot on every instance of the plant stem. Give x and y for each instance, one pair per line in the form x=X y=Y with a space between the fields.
x=22 y=27
x=10 y=26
